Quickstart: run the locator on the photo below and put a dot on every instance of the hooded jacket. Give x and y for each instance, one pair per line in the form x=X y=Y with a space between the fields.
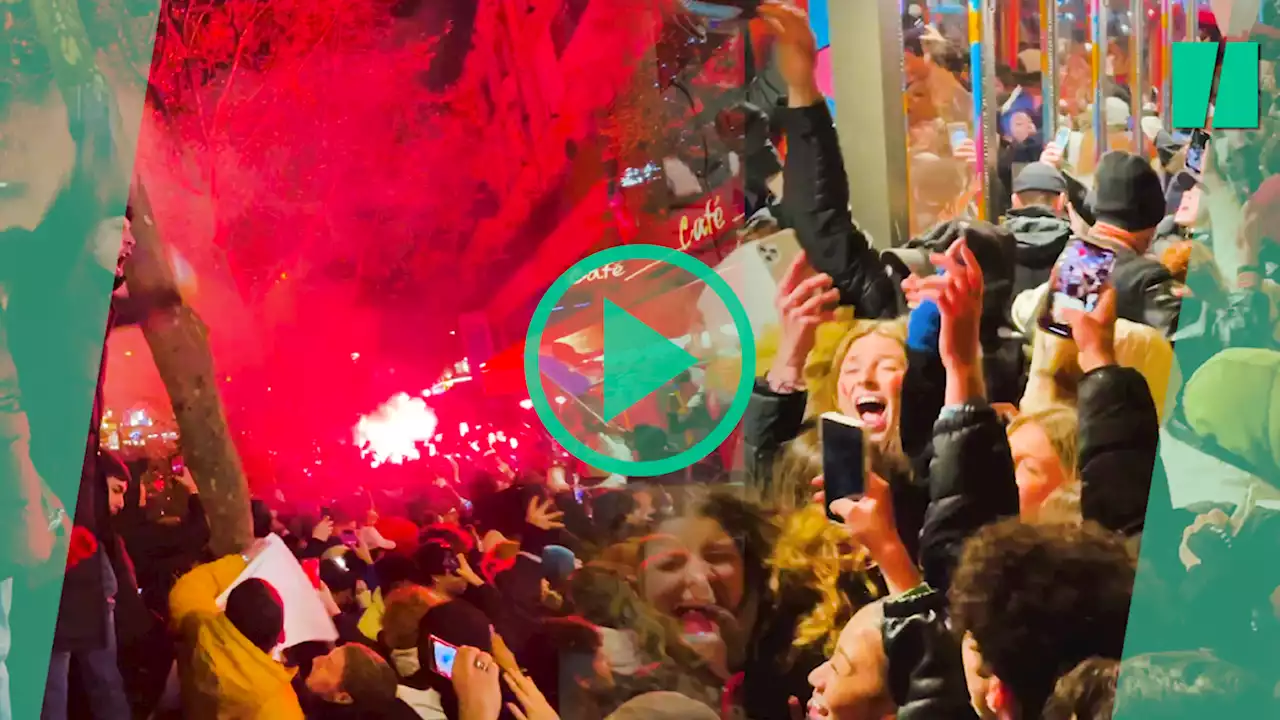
x=1041 y=237
x=224 y=675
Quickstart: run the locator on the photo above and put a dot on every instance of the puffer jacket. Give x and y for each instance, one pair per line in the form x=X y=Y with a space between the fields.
x=926 y=674
x=816 y=202
x=971 y=484
x=1119 y=434
x=224 y=675
x=1041 y=237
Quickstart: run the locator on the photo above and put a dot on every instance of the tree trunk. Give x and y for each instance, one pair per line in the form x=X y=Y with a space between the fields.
x=180 y=346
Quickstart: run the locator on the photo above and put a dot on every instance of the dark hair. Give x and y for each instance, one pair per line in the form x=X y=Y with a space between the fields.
x=393 y=570
x=609 y=511
x=367 y=678
x=110 y=465
x=460 y=624
x=435 y=558
x=1039 y=599
x=559 y=653
x=255 y=609
x=1086 y=693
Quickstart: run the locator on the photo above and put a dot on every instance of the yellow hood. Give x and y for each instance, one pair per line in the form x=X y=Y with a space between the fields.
x=225 y=677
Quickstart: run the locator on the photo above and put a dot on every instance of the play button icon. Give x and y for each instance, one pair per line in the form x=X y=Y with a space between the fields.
x=637 y=360
x=609 y=362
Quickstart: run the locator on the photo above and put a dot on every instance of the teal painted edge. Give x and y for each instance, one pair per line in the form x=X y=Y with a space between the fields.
x=56 y=293
x=1202 y=642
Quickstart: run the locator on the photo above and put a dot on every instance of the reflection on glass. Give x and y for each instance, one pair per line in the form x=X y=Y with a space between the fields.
x=939 y=115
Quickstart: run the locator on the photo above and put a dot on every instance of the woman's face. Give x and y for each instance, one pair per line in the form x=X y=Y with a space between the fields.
x=1037 y=467
x=870 y=385
x=1021 y=127
x=693 y=571
x=36 y=156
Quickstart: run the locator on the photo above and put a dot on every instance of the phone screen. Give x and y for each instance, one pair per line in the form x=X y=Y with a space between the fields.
x=844 y=459
x=1196 y=151
x=958 y=133
x=178 y=466
x=1077 y=283
x=1063 y=137
x=442 y=656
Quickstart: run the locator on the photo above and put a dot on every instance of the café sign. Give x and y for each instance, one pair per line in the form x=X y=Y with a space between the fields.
x=708 y=225
x=607 y=272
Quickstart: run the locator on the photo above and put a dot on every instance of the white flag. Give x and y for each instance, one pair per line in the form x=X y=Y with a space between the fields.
x=305 y=616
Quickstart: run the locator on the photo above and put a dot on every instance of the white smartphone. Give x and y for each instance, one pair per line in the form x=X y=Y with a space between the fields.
x=1062 y=138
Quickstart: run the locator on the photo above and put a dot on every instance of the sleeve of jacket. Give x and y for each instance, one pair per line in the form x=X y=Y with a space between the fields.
x=1119 y=434
x=926 y=674
x=771 y=420
x=816 y=200
x=197 y=592
x=971 y=484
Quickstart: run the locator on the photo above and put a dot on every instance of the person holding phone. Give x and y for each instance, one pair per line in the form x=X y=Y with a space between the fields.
x=1127 y=204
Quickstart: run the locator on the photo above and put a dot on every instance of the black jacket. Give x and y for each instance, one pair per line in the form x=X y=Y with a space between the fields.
x=926 y=674
x=1041 y=236
x=1144 y=290
x=1119 y=435
x=971 y=484
x=816 y=202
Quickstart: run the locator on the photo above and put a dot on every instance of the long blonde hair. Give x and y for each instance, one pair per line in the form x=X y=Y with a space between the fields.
x=812 y=552
x=1060 y=425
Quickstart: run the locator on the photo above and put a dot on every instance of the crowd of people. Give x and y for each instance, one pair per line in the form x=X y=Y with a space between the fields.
x=1016 y=511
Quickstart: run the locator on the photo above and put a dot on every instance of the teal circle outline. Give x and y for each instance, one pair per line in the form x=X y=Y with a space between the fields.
x=533 y=371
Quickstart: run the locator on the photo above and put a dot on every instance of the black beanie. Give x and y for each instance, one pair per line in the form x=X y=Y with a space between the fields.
x=255 y=609
x=1127 y=193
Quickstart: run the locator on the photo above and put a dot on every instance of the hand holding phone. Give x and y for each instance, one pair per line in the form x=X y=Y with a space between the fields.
x=1197 y=150
x=844 y=459
x=443 y=655
x=1077 y=284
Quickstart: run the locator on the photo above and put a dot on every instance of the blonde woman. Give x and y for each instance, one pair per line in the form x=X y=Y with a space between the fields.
x=1045 y=445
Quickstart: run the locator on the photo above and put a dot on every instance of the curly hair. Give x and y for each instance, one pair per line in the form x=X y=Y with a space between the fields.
x=1039 y=599
x=1086 y=693
x=812 y=553
x=405 y=607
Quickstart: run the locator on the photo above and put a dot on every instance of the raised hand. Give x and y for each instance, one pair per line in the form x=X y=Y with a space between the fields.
x=958 y=294
x=869 y=517
x=797 y=51
x=530 y=703
x=804 y=301
x=542 y=515
x=1095 y=332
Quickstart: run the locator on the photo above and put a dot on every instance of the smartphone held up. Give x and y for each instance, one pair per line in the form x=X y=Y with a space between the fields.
x=844 y=459
x=1077 y=284
x=443 y=655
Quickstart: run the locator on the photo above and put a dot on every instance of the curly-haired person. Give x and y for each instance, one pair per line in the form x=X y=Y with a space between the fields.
x=1030 y=602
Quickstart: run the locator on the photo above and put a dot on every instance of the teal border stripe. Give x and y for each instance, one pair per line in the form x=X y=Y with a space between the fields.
x=1203 y=640
x=57 y=292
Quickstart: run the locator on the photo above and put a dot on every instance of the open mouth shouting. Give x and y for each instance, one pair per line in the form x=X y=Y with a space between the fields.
x=697 y=620
x=873 y=412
